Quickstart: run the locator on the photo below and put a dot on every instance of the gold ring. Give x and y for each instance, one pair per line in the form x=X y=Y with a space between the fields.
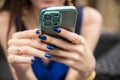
x=18 y=51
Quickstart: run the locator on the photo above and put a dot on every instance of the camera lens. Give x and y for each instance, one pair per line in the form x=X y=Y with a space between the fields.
x=56 y=19
x=47 y=16
x=47 y=23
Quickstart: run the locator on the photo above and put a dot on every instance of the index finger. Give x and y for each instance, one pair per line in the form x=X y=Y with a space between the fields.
x=26 y=34
x=71 y=36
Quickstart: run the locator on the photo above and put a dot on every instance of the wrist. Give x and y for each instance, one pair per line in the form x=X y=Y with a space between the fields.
x=91 y=76
x=87 y=76
x=75 y=75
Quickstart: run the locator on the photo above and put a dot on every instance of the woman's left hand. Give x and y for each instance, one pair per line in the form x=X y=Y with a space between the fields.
x=75 y=52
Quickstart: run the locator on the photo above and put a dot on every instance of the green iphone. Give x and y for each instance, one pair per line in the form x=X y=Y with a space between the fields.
x=58 y=16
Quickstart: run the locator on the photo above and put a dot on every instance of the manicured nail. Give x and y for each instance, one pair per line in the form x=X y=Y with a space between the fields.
x=50 y=47
x=38 y=31
x=57 y=29
x=48 y=55
x=42 y=37
x=33 y=59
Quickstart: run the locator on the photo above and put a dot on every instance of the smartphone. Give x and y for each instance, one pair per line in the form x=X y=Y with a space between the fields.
x=58 y=16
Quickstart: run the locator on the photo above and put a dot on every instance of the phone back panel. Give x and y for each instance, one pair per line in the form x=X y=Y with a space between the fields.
x=60 y=16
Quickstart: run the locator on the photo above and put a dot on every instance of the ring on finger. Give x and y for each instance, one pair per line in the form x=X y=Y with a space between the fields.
x=18 y=51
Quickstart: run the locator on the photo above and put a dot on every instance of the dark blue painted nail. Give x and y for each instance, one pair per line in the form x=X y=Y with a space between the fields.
x=48 y=55
x=50 y=47
x=33 y=59
x=57 y=29
x=42 y=37
x=38 y=31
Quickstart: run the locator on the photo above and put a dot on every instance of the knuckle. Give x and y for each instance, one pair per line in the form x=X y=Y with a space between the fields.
x=11 y=59
x=25 y=49
x=78 y=39
x=29 y=42
x=11 y=50
x=8 y=50
x=25 y=42
x=30 y=34
x=76 y=56
x=80 y=50
x=11 y=41
x=71 y=63
x=82 y=39
x=14 y=35
x=75 y=40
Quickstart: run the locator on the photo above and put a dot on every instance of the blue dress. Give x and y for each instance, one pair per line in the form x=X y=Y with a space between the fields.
x=55 y=70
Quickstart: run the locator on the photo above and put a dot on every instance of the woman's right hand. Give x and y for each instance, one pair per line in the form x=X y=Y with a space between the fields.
x=23 y=46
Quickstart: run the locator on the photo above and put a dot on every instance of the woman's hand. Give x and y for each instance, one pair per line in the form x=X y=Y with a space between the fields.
x=75 y=52
x=23 y=46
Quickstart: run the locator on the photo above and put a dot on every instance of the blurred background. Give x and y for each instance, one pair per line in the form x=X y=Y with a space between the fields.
x=107 y=52
x=110 y=9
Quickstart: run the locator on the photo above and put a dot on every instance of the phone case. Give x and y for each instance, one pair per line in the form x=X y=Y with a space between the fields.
x=59 y=16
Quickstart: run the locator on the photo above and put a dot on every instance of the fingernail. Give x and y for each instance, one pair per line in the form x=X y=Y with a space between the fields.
x=50 y=47
x=42 y=37
x=38 y=31
x=33 y=59
x=48 y=55
x=57 y=29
